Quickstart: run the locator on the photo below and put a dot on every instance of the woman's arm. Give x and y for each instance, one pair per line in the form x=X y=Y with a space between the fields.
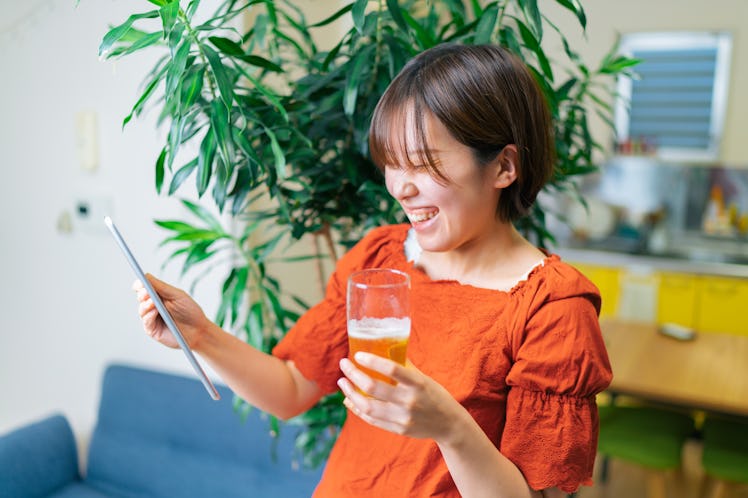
x=267 y=382
x=419 y=407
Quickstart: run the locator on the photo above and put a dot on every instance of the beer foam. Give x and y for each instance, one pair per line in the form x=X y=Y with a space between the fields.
x=373 y=328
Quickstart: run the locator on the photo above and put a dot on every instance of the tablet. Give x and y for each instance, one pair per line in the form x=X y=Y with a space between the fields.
x=162 y=310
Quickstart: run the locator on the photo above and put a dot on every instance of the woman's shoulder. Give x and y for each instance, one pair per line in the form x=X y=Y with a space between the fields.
x=381 y=245
x=557 y=280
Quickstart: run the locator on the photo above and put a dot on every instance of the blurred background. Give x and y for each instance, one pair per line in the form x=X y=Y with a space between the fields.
x=67 y=307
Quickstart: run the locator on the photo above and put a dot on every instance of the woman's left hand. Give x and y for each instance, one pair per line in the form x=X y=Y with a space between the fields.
x=415 y=406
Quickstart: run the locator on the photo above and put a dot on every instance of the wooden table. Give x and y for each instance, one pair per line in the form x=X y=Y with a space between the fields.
x=708 y=373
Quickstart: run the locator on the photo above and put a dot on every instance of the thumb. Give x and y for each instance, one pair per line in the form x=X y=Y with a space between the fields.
x=162 y=288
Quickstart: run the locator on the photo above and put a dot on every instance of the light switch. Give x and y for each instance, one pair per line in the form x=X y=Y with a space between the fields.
x=89 y=212
x=87 y=140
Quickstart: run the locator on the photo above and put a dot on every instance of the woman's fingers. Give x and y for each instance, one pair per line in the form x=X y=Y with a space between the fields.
x=375 y=411
x=400 y=374
x=145 y=306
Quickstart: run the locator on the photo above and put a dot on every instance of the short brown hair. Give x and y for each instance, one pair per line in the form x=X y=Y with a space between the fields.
x=487 y=99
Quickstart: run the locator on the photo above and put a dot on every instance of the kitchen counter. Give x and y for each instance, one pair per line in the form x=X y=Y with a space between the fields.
x=651 y=262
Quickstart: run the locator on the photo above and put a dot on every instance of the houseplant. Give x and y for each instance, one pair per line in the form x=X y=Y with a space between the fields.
x=278 y=133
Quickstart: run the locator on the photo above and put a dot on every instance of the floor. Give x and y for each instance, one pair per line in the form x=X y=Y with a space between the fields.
x=628 y=481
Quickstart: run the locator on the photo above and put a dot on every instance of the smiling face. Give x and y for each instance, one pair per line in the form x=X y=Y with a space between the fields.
x=487 y=100
x=451 y=212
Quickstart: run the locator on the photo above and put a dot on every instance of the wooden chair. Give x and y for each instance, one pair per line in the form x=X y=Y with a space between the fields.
x=725 y=456
x=647 y=436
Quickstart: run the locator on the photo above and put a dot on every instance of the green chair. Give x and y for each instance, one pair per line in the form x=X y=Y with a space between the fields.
x=650 y=437
x=725 y=456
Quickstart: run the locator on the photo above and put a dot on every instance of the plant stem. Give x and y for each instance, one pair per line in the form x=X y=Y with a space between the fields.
x=196 y=40
x=318 y=264
x=327 y=234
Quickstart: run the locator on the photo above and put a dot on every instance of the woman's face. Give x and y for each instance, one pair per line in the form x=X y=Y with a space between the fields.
x=445 y=215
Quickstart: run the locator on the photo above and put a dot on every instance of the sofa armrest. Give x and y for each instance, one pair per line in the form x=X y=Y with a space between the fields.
x=38 y=458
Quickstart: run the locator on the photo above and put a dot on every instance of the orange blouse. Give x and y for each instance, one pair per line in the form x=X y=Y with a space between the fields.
x=526 y=364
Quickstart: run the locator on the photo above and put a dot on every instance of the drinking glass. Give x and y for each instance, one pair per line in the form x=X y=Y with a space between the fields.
x=378 y=305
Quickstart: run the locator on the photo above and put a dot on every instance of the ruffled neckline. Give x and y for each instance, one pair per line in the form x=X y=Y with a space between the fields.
x=404 y=235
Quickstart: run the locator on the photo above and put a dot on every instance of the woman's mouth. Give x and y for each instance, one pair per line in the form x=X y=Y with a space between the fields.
x=421 y=215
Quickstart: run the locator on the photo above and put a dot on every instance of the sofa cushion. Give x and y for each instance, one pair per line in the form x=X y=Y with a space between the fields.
x=161 y=435
x=78 y=490
x=38 y=459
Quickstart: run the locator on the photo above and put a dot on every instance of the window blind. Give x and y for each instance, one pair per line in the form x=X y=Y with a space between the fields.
x=677 y=100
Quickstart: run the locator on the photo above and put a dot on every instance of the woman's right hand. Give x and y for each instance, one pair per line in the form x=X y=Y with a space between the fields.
x=187 y=314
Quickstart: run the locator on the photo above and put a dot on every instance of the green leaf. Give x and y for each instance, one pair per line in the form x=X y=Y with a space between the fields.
x=176 y=68
x=199 y=235
x=205 y=163
x=508 y=38
x=175 y=138
x=145 y=41
x=350 y=93
x=532 y=15
x=192 y=85
x=618 y=64
x=219 y=125
x=562 y=93
x=255 y=326
x=278 y=155
x=115 y=34
x=358 y=12
x=333 y=17
x=486 y=24
x=277 y=309
x=225 y=86
x=175 y=226
x=169 y=13
x=272 y=97
x=160 y=170
x=181 y=175
x=576 y=7
x=422 y=35
x=204 y=215
x=227 y=46
x=534 y=45
x=197 y=252
x=145 y=95
x=240 y=287
x=477 y=9
x=261 y=62
x=397 y=15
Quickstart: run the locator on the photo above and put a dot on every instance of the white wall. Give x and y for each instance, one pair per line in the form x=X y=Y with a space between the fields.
x=67 y=309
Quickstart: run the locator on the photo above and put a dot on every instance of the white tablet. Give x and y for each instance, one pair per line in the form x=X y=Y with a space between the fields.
x=162 y=309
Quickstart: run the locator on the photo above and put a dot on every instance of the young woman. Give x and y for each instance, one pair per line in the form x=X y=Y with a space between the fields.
x=505 y=355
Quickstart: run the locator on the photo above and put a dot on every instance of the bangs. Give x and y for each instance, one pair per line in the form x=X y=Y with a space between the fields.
x=398 y=135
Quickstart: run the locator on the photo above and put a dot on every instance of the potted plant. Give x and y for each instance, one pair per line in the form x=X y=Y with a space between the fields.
x=280 y=129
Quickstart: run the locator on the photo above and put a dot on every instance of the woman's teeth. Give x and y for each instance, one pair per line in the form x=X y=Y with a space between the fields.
x=419 y=217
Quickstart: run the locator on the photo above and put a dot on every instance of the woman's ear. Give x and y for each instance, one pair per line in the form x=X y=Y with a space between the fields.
x=506 y=167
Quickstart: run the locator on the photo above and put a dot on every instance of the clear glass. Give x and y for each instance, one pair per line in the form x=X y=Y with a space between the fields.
x=378 y=305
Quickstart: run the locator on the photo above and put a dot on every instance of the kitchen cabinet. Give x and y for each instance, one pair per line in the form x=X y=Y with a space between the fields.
x=722 y=305
x=706 y=303
x=677 y=299
x=606 y=279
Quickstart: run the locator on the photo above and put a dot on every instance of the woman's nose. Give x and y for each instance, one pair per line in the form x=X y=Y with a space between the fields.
x=403 y=185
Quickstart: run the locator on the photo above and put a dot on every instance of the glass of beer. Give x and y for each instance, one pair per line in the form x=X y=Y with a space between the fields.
x=378 y=305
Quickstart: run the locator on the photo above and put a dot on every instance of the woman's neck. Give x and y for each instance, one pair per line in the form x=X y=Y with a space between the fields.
x=497 y=260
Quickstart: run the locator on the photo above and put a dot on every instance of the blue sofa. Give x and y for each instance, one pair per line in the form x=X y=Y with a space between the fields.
x=157 y=435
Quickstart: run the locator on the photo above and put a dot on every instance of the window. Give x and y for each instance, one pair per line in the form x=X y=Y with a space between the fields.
x=677 y=103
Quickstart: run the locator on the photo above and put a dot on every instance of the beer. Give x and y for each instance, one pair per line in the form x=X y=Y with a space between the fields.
x=378 y=309
x=385 y=337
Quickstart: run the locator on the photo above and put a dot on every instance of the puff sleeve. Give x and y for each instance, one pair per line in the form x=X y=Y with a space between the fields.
x=560 y=364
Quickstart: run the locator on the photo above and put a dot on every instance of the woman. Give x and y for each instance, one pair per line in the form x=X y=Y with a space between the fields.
x=505 y=354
